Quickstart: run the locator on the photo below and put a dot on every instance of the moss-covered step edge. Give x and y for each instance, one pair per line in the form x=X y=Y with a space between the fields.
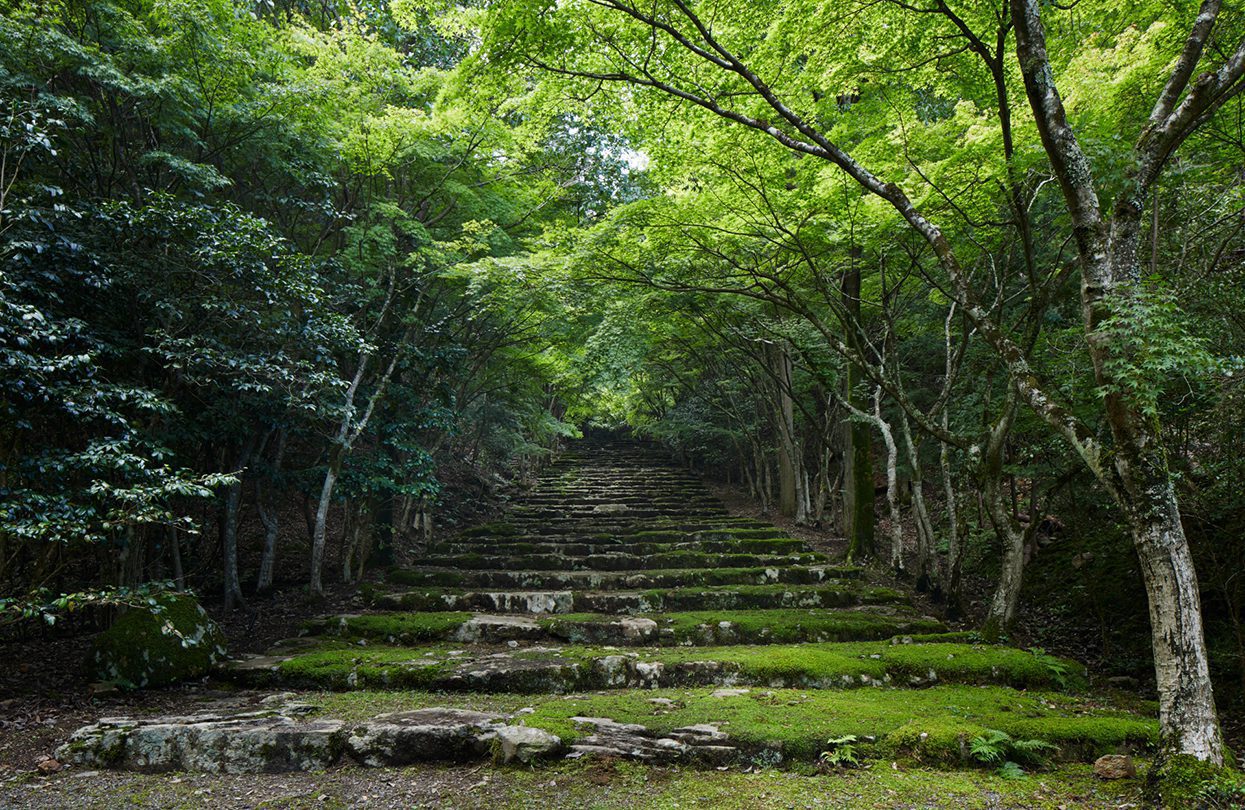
x=572 y=668
x=785 y=545
x=658 y=600
x=621 y=580
x=619 y=562
x=630 y=511
x=709 y=628
x=643 y=536
x=507 y=528
x=934 y=726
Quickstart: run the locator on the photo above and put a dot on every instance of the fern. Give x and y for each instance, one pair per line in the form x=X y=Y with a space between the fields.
x=990 y=747
x=1033 y=752
x=1010 y=770
x=999 y=747
x=842 y=752
x=1057 y=668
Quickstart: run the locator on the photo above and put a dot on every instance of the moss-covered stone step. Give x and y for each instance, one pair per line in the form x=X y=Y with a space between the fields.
x=621 y=580
x=667 y=495
x=570 y=668
x=632 y=537
x=695 y=628
x=520 y=528
x=699 y=727
x=620 y=561
x=619 y=511
x=723 y=597
x=786 y=545
x=935 y=726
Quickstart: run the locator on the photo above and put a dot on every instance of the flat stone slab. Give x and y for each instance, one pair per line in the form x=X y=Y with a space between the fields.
x=273 y=741
x=246 y=742
x=607 y=738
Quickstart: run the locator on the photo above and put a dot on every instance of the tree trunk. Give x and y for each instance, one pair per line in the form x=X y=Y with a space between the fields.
x=892 y=486
x=229 y=528
x=1187 y=715
x=925 y=567
x=270 y=518
x=790 y=470
x=175 y=547
x=955 y=553
x=858 y=519
x=316 y=579
x=1012 y=537
x=1138 y=478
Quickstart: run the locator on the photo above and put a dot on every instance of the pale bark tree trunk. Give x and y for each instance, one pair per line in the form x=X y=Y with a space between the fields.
x=348 y=432
x=955 y=553
x=1013 y=538
x=897 y=557
x=270 y=518
x=1139 y=477
x=924 y=568
x=229 y=527
x=791 y=494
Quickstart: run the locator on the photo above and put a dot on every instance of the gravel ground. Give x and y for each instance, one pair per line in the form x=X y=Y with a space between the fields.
x=598 y=784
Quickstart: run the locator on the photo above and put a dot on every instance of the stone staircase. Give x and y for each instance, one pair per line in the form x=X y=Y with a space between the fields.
x=620 y=609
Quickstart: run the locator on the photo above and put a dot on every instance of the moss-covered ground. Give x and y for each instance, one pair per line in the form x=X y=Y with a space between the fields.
x=777 y=626
x=722 y=597
x=622 y=580
x=342 y=665
x=932 y=726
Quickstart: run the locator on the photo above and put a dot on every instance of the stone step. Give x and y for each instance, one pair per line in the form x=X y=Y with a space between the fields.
x=582 y=549
x=638 y=535
x=617 y=512
x=663 y=629
x=525 y=528
x=620 y=562
x=557 y=669
x=728 y=597
x=619 y=580
x=684 y=726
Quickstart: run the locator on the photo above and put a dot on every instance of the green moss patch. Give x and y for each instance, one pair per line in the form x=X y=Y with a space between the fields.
x=404 y=628
x=620 y=561
x=714 y=597
x=775 y=626
x=933 y=725
x=169 y=639
x=624 y=580
x=572 y=667
x=720 y=545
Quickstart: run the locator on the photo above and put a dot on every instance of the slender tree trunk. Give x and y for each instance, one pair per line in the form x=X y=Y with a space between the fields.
x=858 y=518
x=925 y=568
x=955 y=553
x=897 y=560
x=175 y=548
x=229 y=527
x=790 y=472
x=316 y=580
x=269 y=516
x=1006 y=599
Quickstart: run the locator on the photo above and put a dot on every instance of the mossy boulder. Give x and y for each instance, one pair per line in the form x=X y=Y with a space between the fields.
x=169 y=639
